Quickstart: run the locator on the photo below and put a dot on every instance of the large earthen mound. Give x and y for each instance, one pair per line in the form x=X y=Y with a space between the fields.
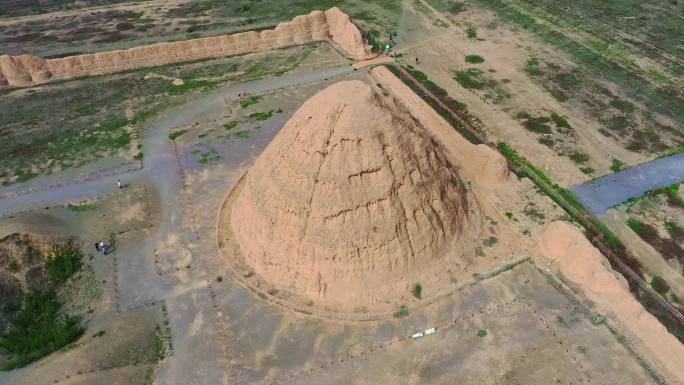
x=352 y=197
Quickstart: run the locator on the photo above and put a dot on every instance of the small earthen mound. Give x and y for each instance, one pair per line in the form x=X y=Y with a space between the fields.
x=350 y=201
x=580 y=262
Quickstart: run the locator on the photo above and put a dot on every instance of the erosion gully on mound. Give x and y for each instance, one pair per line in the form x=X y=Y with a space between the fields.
x=351 y=201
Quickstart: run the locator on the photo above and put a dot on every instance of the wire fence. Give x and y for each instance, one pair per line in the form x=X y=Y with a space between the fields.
x=522 y=168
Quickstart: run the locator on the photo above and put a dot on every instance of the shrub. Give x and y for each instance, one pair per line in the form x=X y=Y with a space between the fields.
x=38 y=329
x=587 y=170
x=660 y=285
x=635 y=225
x=417 y=290
x=617 y=165
x=489 y=242
x=64 y=261
x=254 y=99
x=402 y=312
x=676 y=232
x=174 y=135
x=469 y=78
x=471 y=32
x=219 y=279
x=474 y=59
x=230 y=125
x=560 y=121
x=579 y=157
x=481 y=333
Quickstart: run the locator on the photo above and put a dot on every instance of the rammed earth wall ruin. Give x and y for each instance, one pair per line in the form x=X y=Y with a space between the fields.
x=332 y=25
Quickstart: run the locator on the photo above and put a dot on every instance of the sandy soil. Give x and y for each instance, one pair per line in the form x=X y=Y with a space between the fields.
x=442 y=50
x=571 y=254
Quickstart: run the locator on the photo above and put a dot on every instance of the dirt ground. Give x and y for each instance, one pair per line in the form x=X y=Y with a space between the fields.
x=666 y=219
x=165 y=308
x=504 y=93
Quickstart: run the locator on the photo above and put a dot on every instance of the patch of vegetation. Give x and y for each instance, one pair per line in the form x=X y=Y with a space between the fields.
x=401 y=313
x=81 y=207
x=617 y=165
x=587 y=170
x=209 y=156
x=417 y=290
x=191 y=85
x=668 y=248
x=481 y=333
x=479 y=252
x=676 y=232
x=239 y=135
x=230 y=125
x=660 y=285
x=532 y=67
x=470 y=78
x=579 y=158
x=474 y=59
x=37 y=330
x=444 y=97
x=560 y=121
x=250 y=100
x=582 y=349
x=562 y=322
x=635 y=225
x=471 y=32
x=262 y=116
x=489 y=242
x=219 y=279
x=176 y=134
x=64 y=261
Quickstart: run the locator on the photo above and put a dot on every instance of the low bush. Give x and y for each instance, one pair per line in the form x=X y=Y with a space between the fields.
x=417 y=290
x=660 y=285
x=63 y=262
x=37 y=330
x=474 y=59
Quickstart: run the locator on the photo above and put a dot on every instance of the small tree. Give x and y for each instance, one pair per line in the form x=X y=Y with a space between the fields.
x=417 y=290
x=660 y=285
x=64 y=261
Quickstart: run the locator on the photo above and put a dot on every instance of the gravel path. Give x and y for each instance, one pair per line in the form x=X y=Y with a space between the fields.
x=610 y=190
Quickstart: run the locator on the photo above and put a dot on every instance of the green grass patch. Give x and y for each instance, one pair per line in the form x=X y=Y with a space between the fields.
x=617 y=165
x=560 y=121
x=191 y=85
x=262 y=116
x=489 y=242
x=470 y=78
x=81 y=207
x=660 y=285
x=401 y=313
x=230 y=125
x=579 y=158
x=177 y=134
x=63 y=262
x=417 y=290
x=474 y=59
x=481 y=333
x=250 y=100
x=239 y=135
x=587 y=170
x=209 y=156
x=636 y=226
x=676 y=232
x=471 y=32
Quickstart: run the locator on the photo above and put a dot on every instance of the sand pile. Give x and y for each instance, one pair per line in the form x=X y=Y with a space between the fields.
x=332 y=25
x=350 y=201
x=580 y=262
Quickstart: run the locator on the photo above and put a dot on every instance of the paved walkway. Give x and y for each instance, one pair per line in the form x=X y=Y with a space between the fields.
x=603 y=193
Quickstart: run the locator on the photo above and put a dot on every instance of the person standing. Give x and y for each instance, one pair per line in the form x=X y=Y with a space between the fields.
x=118 y=183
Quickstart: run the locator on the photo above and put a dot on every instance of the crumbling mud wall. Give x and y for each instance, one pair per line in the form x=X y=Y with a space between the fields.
x=332 y=25
x=479 y=163
x=567 y=250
